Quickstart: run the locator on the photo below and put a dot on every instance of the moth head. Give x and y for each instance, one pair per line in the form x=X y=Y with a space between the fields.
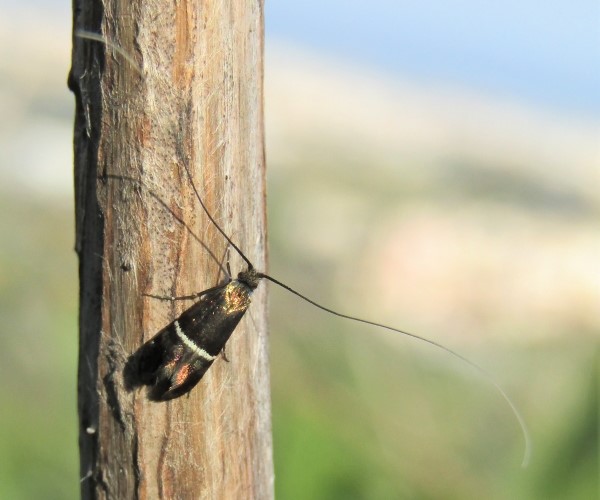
x=250 y=277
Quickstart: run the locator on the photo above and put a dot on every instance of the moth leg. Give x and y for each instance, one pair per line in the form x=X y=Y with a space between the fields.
x=194 y=296
x=197 y=295
x=171 y=298
x=224 y=355
x=225 y=268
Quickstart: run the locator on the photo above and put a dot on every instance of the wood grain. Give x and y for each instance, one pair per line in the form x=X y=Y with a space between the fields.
x=197 y=102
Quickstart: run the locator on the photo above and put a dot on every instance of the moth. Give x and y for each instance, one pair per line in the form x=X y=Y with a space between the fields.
x=177 y=357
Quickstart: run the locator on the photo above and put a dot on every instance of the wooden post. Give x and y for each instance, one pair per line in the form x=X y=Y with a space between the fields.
x=173 y=83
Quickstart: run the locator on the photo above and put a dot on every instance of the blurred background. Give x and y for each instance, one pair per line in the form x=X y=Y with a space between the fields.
x=433 y=166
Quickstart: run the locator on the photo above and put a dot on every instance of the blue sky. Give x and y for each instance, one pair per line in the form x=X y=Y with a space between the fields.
x=542 y=52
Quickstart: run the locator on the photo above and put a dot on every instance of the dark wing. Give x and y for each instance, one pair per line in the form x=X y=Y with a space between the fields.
x=177 y=357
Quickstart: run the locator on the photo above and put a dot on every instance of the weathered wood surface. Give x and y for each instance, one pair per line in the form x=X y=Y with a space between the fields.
x=197 y=100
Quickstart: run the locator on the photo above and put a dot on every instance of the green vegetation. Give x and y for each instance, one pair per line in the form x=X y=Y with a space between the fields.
x=357 y=413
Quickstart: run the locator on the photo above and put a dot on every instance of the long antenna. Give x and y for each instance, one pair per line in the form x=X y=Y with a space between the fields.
x=484 y=373
x=138 y=183
x=241 y=254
